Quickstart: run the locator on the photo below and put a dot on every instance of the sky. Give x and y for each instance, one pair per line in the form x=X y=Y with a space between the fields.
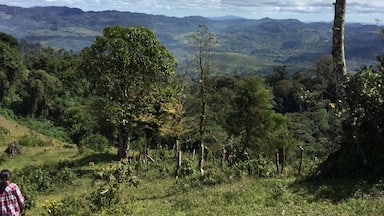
x=361 y=11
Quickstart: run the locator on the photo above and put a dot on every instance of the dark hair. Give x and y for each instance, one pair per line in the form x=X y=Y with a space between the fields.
x=5 y=175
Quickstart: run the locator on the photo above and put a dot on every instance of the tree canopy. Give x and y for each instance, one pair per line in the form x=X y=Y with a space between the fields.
x=130 y=70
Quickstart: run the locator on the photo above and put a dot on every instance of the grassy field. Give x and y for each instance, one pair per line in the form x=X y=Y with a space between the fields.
x=158 y=193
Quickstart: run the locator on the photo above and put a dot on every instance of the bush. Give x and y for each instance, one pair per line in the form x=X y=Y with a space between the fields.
x=46 y=179
x=213 y=176
x=45 y=127
x=3 y=158
x=111 y=181
x=32 y=140
x=259 y=168
x=186 y=168
x=96 y=142
x=67 y=206
x=3 y=132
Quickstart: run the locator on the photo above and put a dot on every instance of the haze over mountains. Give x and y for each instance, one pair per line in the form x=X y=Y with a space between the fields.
x=245 y=46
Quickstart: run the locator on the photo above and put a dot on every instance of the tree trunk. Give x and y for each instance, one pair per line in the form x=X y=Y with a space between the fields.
x=277 y=162
x=178 y=164
x=124 y=141
x=201 y=160
x=339 y=64
x=223 y=156
x=202 y=116
x=177 y=158
x=148 y=138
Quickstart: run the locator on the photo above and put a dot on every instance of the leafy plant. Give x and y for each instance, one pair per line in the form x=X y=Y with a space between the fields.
x=187 y=168
x=111 y=180
x=96 y=142
x=32 y=139
x=3 y=132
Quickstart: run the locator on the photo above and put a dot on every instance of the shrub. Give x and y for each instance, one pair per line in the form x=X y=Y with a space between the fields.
x=186 y=168
x=3 y=132
x=46 y=127
x=255 y=167
x=96 y=142
x=32 y=140
x=65 y=176
x=110 y=181
x=3 y=158
x=67 y=206
x=213 y=176
x=35 y=179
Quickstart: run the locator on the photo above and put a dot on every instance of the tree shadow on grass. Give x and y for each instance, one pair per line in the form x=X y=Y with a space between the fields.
x=94 y=158
x=86 y=161
x=336 y=190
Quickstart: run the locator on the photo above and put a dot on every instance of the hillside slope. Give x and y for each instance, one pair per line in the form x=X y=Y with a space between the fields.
x=17 y=131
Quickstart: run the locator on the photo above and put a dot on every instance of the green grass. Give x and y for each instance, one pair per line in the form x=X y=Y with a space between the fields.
x=161 y=194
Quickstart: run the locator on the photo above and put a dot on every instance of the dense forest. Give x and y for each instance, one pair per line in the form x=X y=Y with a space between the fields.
x=123 y=92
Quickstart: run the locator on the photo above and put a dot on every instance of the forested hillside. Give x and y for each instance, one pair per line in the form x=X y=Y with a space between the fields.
x=273 y=42
x=127 y=113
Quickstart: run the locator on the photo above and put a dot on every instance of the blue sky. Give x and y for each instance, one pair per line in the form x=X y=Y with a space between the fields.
x=365 y=11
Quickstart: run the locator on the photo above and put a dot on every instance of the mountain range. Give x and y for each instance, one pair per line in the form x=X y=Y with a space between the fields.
x=245 y=46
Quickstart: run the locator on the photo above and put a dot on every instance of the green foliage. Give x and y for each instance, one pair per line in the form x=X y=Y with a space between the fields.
x=318 y=132
x=45 y=179
x=32 y=140
x=40 y=91
x=8 y=39
x=112 y=179
x=213 y=176
x=278 y=194
x=187 y=168
x=260 y=167
x=79 y=123
x=65 y=176
x=3 y=158
x=131 y=71
x=46 y=127
x=252 y=119
x=363 y=130
x=124 y=89
x=12 y=72
x=67 y=206
x=361 y=152
x=96 y=142
x=3 y=132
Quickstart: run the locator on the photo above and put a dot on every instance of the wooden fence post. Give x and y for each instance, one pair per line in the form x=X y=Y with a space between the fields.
x=301 y=159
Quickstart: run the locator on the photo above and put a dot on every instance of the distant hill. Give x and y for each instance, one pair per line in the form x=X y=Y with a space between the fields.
x=271 y=42
x=228 y=17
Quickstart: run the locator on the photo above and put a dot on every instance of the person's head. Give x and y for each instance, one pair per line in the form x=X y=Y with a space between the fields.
x=5 y=175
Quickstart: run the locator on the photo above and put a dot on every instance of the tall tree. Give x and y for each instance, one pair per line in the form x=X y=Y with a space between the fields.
x=204 y=42
x=339 y=64
x=12 y=71
x=253 y=119
x=128 y=67
x=40 y=92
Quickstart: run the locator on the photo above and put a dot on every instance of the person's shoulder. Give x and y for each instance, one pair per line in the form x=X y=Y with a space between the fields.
x=12 y=185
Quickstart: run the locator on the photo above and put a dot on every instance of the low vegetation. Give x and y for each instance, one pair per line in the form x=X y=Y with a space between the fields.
x=58 y=180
